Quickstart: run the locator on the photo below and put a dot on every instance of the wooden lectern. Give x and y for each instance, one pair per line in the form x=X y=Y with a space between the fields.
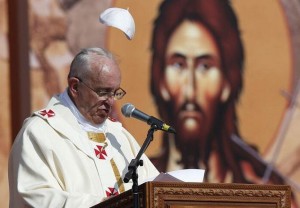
x=159 y=194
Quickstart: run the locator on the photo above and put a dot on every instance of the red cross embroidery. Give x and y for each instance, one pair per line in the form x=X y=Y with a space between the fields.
x=46 y=113
x=112 y=119
x=100 y=152
x=111 y=192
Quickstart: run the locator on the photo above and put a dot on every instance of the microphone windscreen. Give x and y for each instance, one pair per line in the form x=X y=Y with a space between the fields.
x=127 y=109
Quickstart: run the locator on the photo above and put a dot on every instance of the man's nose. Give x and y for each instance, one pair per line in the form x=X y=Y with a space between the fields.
x=110 y=99
x=190 y=85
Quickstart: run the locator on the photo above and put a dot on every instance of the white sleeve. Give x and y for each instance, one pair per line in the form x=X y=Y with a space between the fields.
x=31 y=181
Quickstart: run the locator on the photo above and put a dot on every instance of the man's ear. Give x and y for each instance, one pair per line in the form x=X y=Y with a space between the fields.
x=73 y=85
x=225 y=92
x=164 y=92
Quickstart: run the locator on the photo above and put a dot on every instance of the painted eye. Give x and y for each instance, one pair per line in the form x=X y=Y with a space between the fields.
x=178 y=65
x=203 y=67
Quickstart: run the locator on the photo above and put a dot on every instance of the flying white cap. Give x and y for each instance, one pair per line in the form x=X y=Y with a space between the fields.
x=119 y=18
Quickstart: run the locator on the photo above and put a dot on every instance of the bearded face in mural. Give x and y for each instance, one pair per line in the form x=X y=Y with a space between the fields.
x=193 y=83
x=196 y=80
x=197 y=75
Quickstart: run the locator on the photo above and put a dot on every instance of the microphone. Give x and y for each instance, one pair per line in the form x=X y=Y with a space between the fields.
x=128 y=110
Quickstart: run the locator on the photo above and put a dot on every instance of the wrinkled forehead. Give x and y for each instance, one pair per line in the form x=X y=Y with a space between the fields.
x=99 y=64
x=104 y=68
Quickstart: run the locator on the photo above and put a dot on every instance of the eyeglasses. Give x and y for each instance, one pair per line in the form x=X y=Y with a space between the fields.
x=117 y=94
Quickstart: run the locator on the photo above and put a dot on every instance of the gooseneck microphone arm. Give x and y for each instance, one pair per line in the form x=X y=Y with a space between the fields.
x=133 y=165
x=128 y=110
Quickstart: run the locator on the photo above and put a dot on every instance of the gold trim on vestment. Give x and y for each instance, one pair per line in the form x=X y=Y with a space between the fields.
x=118 y=176
x=97 y=137
x=101 y=138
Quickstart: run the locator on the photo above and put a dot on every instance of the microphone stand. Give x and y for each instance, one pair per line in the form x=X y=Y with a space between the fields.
x=132 y=168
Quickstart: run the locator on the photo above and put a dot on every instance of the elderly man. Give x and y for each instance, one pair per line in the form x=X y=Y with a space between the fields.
x=71 y=154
